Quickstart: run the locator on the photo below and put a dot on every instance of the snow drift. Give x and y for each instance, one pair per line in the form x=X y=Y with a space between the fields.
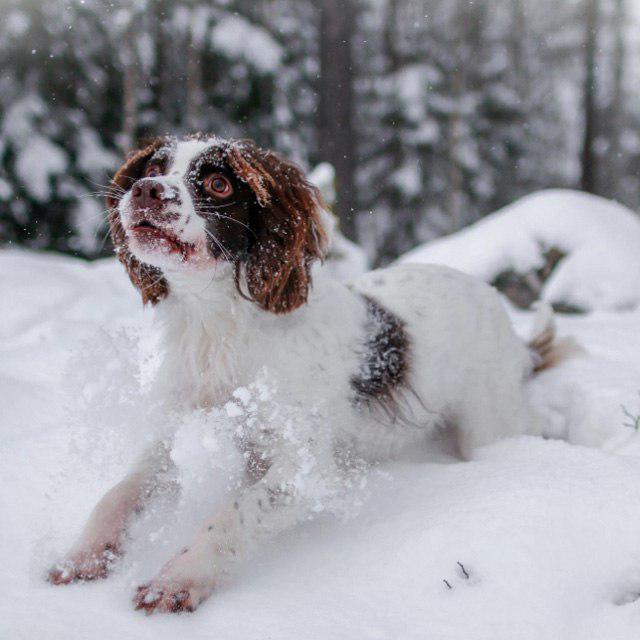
x=571 y=249
x=533 y=539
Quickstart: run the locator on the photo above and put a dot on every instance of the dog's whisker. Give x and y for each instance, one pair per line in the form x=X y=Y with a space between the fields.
x=101 y=228
x=207 y=205
x=223 y=217
x=211 y=281
x=111 y=186
x=224 y=251
x=154 y=283
x=103 y=213
x=94 y=194
x=242 y=224
x=104 y=240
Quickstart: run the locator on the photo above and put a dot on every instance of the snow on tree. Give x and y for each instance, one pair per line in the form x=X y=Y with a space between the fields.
x=457 y=127
x=432 y=113
x=574 y=250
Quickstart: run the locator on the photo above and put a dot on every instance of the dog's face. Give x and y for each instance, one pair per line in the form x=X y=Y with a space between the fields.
x=221 y=206
x=187 y=209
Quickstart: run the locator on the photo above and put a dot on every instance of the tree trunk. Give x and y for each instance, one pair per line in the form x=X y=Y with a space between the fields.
x=336 y=135
x=454 y=200
x=616 y=107
x=520 y=50
x=589 y=170
x=163 y=84
x=195 y=91
x=130 y=83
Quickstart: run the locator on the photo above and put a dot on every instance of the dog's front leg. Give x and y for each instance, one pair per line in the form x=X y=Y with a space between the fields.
x=262 y=510
x=101 y=541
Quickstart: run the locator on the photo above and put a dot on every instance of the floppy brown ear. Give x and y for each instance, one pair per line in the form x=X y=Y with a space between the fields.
x=147 y=279
x=289 y=234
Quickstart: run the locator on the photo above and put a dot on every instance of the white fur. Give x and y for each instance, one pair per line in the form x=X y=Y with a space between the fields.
x=467 y=365
x=467 y=370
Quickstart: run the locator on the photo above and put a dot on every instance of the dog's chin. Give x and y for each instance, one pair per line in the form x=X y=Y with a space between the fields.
x=163 y=249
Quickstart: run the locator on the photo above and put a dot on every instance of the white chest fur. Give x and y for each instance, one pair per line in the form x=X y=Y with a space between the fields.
x=216 y=341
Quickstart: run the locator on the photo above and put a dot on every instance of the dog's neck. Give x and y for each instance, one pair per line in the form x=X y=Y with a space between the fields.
x=216 y=340
x=206 y=325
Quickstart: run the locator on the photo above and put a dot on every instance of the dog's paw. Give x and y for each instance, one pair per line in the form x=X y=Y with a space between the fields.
x=170 y=597
x=85 y=566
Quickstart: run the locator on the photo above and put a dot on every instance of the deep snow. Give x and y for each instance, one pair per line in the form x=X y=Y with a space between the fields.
x=600 y=238
x=548 y=532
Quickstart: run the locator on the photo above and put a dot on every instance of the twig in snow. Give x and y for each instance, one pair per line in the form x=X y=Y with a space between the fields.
x=447 y=583
x=464 y=571
x=633 y=420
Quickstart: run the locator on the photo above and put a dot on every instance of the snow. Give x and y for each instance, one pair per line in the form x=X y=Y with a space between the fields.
x=346 y=260
x=412 y=85
x=18 y=121
x=93 y=158
x=17 y=23
x=238 y=38
x=324 y=177
x=600 y=237
x=408 y=179
x=547 y=531
x=87 y=216
x=5 y=190
x=38 y=159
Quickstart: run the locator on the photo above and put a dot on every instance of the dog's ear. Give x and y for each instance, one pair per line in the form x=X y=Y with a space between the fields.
x=147 y=279
x=289 y=233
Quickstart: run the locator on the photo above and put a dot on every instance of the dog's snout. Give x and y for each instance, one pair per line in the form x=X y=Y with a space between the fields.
x=150 y=194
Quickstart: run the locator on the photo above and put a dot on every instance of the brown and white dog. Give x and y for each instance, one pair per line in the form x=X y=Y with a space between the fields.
x=227 y=240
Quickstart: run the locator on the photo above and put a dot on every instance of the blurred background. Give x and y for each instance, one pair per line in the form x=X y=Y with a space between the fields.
x=433 y=113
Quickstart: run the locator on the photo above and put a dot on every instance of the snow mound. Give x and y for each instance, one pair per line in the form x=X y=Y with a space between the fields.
x=533 y=539
x=346 y=260
x=596 y=243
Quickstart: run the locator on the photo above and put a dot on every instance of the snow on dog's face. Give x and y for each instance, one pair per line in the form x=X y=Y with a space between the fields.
x=225 y=207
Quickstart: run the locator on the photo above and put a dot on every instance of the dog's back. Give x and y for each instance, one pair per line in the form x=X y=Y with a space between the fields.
x=467 y=364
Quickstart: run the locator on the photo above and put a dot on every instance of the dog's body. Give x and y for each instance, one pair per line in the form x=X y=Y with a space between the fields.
x=226 y=240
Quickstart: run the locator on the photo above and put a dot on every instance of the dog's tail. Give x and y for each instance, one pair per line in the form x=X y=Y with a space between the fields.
x=546 y=349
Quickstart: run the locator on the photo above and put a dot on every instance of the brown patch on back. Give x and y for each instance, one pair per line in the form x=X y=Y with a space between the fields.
x=147 y=279
x=384 y=368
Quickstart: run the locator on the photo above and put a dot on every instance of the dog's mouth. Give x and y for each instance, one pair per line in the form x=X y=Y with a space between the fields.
x=153 y=236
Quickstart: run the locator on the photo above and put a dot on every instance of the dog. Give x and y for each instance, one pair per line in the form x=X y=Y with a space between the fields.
x=227 y=241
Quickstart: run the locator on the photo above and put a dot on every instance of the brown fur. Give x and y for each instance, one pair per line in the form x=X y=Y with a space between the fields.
x=289 y=234
x=384 y=366
x=286 y=232
x=147 y=279
x=549 y=351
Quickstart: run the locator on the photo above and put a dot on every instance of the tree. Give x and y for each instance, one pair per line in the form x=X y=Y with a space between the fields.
x=588 y=159
x=433 y=112
x=335 y=129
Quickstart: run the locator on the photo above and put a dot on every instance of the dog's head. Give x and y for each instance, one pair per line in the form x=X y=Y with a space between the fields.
x=220 y=206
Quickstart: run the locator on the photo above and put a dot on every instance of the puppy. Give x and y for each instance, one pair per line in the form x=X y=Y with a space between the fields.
x=227 y=240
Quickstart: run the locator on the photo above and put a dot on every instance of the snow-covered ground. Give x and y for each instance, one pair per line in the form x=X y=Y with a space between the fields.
x=600 y=238
x=547 y=532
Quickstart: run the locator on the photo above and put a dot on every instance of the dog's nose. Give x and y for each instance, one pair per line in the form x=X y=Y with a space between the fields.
x=148 y=194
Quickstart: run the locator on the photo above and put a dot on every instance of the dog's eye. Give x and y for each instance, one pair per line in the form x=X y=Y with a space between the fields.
x=152 y=171
x=217 y=185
